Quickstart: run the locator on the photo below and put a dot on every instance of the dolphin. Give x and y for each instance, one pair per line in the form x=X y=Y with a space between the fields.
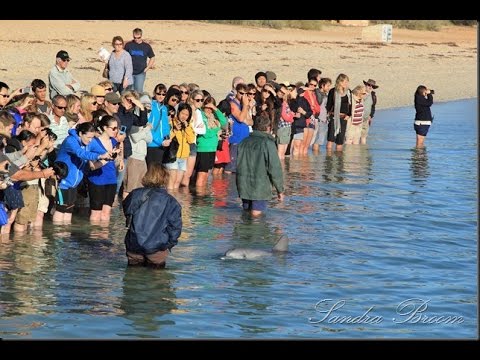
x=255 y=254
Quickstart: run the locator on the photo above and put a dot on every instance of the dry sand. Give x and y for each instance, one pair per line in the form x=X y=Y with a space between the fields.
x=212 y=54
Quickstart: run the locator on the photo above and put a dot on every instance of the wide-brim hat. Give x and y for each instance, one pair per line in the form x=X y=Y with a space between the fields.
x=371 y=82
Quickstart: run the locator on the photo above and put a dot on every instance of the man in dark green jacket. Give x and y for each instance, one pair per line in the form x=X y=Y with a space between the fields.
x=258 y=168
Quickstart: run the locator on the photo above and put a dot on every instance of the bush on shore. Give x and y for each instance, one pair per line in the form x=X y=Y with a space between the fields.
x=432 y=25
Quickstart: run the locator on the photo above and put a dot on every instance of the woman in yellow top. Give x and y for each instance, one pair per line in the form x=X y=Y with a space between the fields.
x=183 y=133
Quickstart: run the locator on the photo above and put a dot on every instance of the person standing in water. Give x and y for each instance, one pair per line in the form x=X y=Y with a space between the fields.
x=423 y=116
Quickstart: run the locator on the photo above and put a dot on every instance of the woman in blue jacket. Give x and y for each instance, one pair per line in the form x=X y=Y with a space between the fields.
x=74 y=152
x=154 y=220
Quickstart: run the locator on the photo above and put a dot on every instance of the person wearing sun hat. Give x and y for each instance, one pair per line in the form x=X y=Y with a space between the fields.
x=369 y=102
x=99 y=92
x=60 y=80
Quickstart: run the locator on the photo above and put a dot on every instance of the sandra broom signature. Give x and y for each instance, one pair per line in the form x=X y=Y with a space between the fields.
x=410 y=311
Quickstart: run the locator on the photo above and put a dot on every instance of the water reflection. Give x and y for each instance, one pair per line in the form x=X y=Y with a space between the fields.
x=24 y=275
x=147 y=296
x=334 y=167
x=419 y=166
x=357 y=164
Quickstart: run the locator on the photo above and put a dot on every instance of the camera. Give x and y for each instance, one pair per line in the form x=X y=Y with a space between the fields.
x=432 y=91
x=6 y=179
x=114 y=155
x=51 y=134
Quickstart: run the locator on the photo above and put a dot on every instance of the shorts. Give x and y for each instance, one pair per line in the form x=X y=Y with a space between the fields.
x=136 y=170
x=338 y=139
x=258 y=205
x=205 y=161
x=179 y=164
x=156 y=260
x=65 y=199
x=421 y=129
x=298 y=136
x=28 y=213
x=283 y=135
x=101 y=195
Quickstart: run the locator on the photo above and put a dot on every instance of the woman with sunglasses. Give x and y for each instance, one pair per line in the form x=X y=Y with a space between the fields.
x=88 y=104
x=158 y=118
x=207 y=143
x=102 y=180
x=127 y=113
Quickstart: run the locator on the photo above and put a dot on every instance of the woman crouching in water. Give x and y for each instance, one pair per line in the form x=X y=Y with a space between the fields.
x=154 y=220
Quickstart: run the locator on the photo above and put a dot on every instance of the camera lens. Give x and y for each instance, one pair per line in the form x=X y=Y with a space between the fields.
x=114 y=155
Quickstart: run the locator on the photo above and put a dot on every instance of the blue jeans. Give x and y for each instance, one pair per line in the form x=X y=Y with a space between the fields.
x=138 y=81
x=121 y=175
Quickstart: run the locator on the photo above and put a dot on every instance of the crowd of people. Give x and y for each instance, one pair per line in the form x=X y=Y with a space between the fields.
x=91 y=149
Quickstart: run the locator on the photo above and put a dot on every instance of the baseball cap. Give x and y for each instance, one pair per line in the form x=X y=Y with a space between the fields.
x=271 y=76
x=62 y=54
x=112 y=98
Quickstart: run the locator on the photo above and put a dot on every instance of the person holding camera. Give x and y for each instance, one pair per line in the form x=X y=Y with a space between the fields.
x=102 y=179
x=75 y=152
x=183 y=133
x=423 y=100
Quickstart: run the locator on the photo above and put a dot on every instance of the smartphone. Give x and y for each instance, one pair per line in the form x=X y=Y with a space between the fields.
x=27 y=90
x=123 y=129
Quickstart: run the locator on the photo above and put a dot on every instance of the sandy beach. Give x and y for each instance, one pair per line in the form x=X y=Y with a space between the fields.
x=212 y=54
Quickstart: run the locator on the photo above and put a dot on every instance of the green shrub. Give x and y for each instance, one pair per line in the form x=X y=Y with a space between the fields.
x=275 y=24
x=432 y=25
x=464 y=22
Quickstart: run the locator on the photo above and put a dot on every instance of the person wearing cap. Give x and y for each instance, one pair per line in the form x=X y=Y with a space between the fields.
x=369 y=102
x=60 y=80
x=260 y=80
x=99 y=92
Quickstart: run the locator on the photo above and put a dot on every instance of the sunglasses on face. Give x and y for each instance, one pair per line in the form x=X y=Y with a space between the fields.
x=198 y=100
x=251 y=94
x=113 y=128
x=174 y=99
x=242 y=93
x=137 y=37
x=160 y=93
x=185 y=92
x=5 y=96
x=108 y=89
x=60 y=107
x=313 y=85
x=94 y=103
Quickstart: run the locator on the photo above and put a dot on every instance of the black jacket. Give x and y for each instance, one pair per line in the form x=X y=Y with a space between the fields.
x=422 y=107
x=156 y=223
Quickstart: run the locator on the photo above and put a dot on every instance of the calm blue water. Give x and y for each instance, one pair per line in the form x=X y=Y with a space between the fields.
x=370 y=229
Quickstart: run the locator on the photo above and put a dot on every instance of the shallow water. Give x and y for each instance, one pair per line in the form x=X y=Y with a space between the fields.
x=383 y=230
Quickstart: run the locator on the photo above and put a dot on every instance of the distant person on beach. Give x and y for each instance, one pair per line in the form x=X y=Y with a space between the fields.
x=370 y=102
x=60 y=80
x=423 y=115
x=258 y=168
x=140 y=51
x=154 y=220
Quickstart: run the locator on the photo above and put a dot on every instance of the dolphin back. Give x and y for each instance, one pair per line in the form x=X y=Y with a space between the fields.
x=281 y=245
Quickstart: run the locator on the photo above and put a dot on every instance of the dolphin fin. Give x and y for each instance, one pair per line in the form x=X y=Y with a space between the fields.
x=282 y=244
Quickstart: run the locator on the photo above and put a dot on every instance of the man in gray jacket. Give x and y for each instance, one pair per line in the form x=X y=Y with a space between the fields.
x=61 y=81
